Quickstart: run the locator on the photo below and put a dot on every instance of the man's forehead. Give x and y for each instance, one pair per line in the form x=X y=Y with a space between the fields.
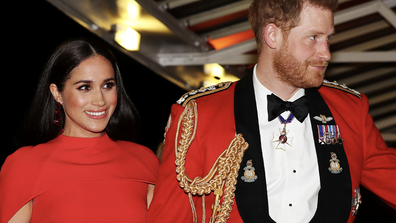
x=316 y=17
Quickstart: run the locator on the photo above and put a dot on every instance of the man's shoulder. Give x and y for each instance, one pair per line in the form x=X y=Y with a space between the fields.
x=341 y=87
x=204 y=91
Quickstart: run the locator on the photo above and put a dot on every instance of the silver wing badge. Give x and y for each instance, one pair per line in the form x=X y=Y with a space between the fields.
x=323 y=118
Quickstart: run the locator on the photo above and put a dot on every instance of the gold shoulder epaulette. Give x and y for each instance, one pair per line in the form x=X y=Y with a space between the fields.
x=202 y=92
x=342 y=87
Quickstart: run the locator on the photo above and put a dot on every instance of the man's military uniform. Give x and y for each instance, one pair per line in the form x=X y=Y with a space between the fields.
x=208 y=125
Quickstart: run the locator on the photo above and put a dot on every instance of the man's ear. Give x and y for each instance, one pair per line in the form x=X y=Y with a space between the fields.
x=272 y=35
x=55 y=93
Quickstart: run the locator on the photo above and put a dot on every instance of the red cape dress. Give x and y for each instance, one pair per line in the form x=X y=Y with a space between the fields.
x=79 y=180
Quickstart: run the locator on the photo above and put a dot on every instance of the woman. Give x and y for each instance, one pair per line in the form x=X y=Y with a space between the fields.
x=80 y=164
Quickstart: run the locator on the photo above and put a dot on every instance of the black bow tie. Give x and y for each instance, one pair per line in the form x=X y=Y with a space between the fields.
x=277 y=106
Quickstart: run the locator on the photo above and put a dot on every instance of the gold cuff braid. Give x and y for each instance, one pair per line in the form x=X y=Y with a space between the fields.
x=224 y=171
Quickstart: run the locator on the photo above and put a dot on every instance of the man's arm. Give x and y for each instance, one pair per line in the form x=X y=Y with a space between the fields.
x=170 y=202
x=379 y=165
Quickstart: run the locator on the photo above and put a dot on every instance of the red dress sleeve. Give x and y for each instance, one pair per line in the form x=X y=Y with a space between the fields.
x=68 y=169
x=17 y=179
x=146 y=157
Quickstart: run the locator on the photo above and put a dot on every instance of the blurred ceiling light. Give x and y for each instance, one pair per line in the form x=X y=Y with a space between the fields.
x=214 y=69
x=133 y=10
x=207 y=83
x=214 y=80
x=127 y=37
x=133 y=15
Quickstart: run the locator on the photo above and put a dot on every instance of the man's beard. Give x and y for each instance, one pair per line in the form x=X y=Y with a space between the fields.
x=296 y=73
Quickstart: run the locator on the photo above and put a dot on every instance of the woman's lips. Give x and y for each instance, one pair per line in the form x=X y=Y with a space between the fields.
x=96 y=114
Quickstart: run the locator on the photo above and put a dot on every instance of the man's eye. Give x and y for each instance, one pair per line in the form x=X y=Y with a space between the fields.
x=312 y=37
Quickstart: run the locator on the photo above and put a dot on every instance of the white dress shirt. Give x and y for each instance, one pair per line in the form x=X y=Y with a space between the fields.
x=292 y=172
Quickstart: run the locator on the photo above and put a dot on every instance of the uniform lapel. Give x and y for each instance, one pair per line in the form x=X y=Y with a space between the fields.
x=335 y=195
x=334 y=202
x=251 y=197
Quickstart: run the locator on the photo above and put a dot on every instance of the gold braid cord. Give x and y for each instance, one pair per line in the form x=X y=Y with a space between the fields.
x=223 y=173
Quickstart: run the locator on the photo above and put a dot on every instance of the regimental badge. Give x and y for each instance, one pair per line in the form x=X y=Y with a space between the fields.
x=335 y=166
x=249 y=175
x=323 y=118
x=356 y=201
x=329 y=134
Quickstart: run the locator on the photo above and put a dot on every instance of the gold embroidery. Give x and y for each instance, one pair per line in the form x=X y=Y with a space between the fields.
x=342 y=87
x=168 y=125
x=202 y=92
x=223 y=173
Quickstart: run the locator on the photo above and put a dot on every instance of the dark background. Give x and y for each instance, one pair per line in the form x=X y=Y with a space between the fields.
x=31 y=30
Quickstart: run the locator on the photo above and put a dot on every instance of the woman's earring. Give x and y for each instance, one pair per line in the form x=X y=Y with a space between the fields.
x=58 y=120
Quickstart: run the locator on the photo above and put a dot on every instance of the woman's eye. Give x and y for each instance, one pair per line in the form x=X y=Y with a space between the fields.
x=312 y=37
x=109 y=85
x=84 y=88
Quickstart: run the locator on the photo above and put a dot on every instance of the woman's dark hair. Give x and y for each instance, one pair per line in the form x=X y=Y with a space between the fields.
x=40 y=125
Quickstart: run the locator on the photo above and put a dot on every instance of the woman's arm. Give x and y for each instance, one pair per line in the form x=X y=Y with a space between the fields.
x=23 y=215
x=150 y=193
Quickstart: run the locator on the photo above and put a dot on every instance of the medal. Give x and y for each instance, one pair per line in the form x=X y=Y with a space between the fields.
x=282 y=139
x=329 y=134
x=339 y=139
x=335 y=166
x=249 y=175
x=327 y=138
x=333 y=138
x=321 y=134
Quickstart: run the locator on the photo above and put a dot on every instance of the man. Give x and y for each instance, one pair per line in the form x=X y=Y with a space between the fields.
x=297 y=161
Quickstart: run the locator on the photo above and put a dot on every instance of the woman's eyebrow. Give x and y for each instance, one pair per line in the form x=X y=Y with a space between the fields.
x=89 y=81
x=83 y=81
x=109 y=79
